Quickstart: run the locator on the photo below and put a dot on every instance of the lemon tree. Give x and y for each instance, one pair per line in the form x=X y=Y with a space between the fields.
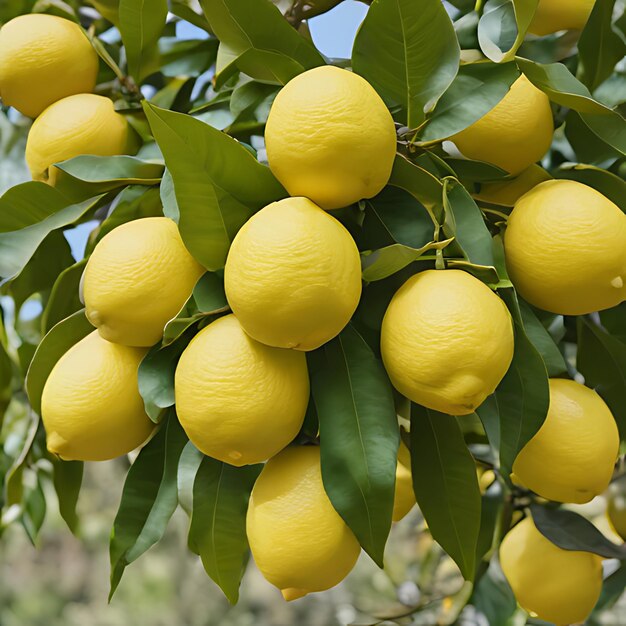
x=312 y=293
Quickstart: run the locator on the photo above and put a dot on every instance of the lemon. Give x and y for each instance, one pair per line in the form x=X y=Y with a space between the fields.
x=554 y=15
x=330 y=138
x=44 y=58
x=298 y=540
x=137 y=279
x=404 y=496
x=80 y=124
x=616 y=507
x=564 y=248
x=516 y=133
x=446 y=340
x=91 y=407
x=556 y=585
x=508 y=192
x=571 y=458
x=293 y=275
x=238 y=400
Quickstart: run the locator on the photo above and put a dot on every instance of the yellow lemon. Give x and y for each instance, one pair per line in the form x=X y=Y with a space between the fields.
x=239 y=400
x=508 y=192
x=516 y=133
x=330 y=138
x=298 y=540
x=556 y=585
x=91 y=407
x=81 y=124
x=554 y=15
x=571 y=458
x=404 y=497
x=137 y=279
x=564 y=248
x=44 y=58
x=293 y=275
x=446 y=340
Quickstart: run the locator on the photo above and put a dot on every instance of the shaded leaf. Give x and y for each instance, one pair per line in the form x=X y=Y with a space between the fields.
x=493 y=597
x=209 y=294
x=188 y=464
x=419 y=182
x=67 y=477
x=64 y=297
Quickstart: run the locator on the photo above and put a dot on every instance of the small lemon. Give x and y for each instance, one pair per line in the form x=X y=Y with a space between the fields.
x=564 y=248
x=516 y=133
x=298 y=540
x=446 y=340
x=91 y=407
x=571 y=458
x=44 y=58
x=508 y=192
x=554 y=15
x=137 y=279
x=293 y=275
x=404 y=496
x=556 y=585
x=239 y=400
x=80 y=124
x=330 y=138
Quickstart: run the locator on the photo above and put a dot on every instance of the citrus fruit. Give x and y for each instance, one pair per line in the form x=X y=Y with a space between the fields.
x=508 y=192
x=446 y=340
x=239 y=400
x=298 y=540
x=616 y=507
x=554 y=15
x=330 y=138
x=564 y=248
x=404 y=496
x=556 y=585
x=44 y=58
x=516 y=133
x=137 y=279
x=91 y=407
x=80 y=124
x=293 y=275
x=571 y=458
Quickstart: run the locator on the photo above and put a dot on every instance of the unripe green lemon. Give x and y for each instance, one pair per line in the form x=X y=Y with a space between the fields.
x=404 y=496
x=446 y=340
x=44 y=58
x=572 y=456
x=555 y=585
x=137 y=279
x=293 y=275
x=239 y=400
x=91 y=407
x=298 y=540
x=330 y=137
x=554 y=15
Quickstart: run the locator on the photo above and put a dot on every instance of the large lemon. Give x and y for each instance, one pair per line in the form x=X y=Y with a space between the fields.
x=330 y=138
x=565 y=250
x=239 y=400
x=137 y=279
x=556 y=585
x=516 y=133
x=81 y=124
x=447 y=340
x=554 y=15
x=571 y=458
x=404 y=496
x=298 y=540
x=293 y=275
x=91 y=407
x=44 y=58
x=508 y=192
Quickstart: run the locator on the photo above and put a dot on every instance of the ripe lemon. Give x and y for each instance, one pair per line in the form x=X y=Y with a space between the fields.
x=81 y=124
x=44 y=58
x=238 y=400
x=556 y=585
x=564 y=248
x=293 y=275
x=298 y=540
x=446 y=340
x=91 y=407
x=330 y=138
x=516 y=133
x=554 y=15
x=571 y=458
x=137 y=279
x=404 y=497
x=508 y=192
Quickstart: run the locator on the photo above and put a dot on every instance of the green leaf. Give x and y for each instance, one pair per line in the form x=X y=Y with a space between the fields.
x=446 y=485
x=612 y=590
x=489 y=415
x=207 y=168
x=218 y=521
x=67 y=477
x=493 y=597
x=607 y=183
x=149 y=498
x=614 y=320
x=34 y=511
x=409 y=52
x=168 y=197
x=587 y=146
x=610 y=128
x=209 y=294
x=491 y=506
x=64 y=297
x=28 y=204
x=53 y=346
x=416 y=180
x=186 y=57
x=188 y=466
x=359 y=438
